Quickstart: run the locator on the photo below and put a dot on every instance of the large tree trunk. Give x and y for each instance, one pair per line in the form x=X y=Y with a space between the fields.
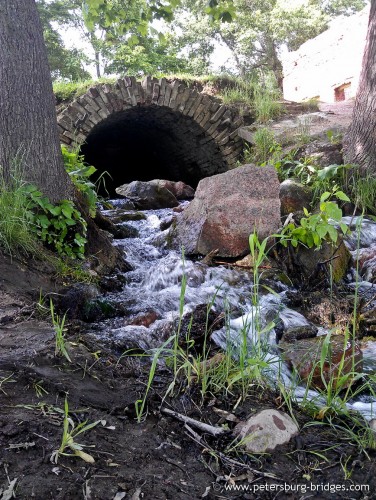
x=360 y=140
x=28 y=128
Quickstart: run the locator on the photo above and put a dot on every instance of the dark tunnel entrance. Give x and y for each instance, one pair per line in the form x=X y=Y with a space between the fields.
x=153 y=142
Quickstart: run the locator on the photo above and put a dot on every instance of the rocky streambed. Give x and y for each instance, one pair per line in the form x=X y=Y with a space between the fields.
x=289 y=316
x=160 y=457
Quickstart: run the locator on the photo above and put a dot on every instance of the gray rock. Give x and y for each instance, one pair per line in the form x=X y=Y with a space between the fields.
x=125 y=231
x=266 y=430
x=294 y=197
x=227 y=208
x=311 y=259
x=179 y=189
x=166 y=222
x=295 y=333
x=148 y=195
x=323 y=153
x=118 y=216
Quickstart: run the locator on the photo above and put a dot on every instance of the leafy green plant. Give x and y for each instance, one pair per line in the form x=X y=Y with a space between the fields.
x=26 y=216
x=58 y=324
x=70 y=432
x=332 y=175
x=80 y=173
x=315 y=228
x=59 y=226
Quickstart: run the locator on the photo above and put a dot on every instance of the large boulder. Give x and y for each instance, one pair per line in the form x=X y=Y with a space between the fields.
x=227 y=208
x=148 y=195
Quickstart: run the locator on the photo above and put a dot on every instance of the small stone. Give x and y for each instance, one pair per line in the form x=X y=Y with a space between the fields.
x=145 y=319
x=178 y=209
x=179 y=189
x=266 y=430
x=294 y=196
x=166 y=223
x=118 y=216
x=295 y=333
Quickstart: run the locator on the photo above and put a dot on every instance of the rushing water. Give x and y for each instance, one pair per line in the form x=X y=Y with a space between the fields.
x=152 y=292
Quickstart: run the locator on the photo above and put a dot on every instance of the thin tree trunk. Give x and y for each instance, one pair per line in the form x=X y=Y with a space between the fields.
x=28 y=129
x=360 y=139
x=97 y=64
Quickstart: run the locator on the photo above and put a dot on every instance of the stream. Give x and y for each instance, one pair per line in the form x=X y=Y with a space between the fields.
x=151 y=295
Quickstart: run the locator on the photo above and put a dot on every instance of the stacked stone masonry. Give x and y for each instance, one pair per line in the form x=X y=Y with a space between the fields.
x=210 y=120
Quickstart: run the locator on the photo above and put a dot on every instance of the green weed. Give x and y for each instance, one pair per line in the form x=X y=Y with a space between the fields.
x=363 y=191
x=334 y=136
x=59 y=327
x=59 y=226
x=265 y=103
x=6 y=380
x=39 y=389
x=80 y=174
x=241 y=94
x=315 y=228
x=310 y=105
x=70 y=432
x=264 y=145
x=303 y=132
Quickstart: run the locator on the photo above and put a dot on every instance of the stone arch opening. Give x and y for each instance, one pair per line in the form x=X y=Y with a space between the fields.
x=152 y=129
x=145 y=143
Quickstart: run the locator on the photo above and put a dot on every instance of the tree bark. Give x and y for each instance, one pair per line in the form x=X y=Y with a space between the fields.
x=29 y=139
x=360 y=139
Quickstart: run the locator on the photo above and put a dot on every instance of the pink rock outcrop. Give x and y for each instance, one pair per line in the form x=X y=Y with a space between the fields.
x=227 y=208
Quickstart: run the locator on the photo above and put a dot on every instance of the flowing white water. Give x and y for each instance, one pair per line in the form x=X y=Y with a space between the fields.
x=154 y=287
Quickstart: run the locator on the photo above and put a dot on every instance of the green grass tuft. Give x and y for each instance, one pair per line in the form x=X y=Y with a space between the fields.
x=16 y=236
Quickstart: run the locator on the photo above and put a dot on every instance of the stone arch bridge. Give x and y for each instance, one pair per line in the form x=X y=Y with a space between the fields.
x=152 y=129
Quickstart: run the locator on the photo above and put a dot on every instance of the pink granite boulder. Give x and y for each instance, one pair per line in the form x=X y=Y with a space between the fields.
x=227 y=208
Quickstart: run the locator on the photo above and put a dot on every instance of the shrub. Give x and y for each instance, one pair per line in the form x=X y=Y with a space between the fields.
x=313 y=229
x=61 y=226
x=26 y=216
x=79 y=172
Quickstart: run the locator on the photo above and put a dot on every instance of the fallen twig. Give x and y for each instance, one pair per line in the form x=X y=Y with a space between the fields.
x=193 y=435
x=210 y=429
